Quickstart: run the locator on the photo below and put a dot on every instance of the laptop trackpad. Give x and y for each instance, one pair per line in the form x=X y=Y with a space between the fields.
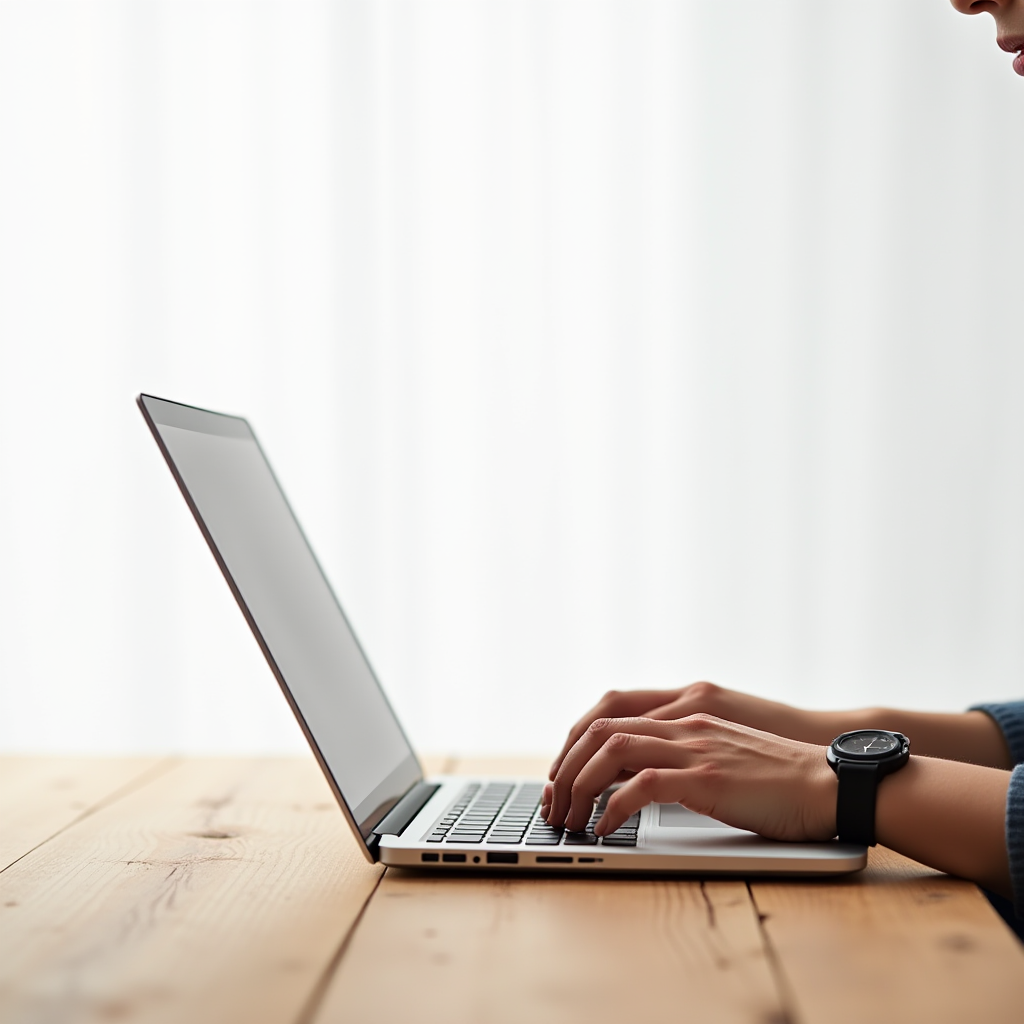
x=677 y=816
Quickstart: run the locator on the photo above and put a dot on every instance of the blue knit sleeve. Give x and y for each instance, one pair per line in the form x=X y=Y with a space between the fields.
x=1015 y=836
x=1010 y=718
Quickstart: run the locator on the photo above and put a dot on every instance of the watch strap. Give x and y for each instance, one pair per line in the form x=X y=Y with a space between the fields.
x=855 y=803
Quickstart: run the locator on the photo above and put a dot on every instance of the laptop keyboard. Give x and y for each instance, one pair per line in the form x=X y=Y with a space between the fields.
x=501 y=813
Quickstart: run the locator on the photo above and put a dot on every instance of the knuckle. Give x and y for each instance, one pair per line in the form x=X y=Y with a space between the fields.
x=611 y=696
x=648 y=779
x=703 y=692
x=700 y=747
x=618 y=740
x=598 y=726
x=701 y=722
x=709 y=772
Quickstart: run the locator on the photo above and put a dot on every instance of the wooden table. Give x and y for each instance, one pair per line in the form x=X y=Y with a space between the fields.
x=224 y=890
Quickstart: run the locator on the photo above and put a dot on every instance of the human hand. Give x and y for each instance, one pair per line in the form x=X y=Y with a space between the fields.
x=754 y=780
x=706 y=699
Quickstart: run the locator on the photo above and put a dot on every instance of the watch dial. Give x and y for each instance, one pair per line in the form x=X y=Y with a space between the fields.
x=868 y=742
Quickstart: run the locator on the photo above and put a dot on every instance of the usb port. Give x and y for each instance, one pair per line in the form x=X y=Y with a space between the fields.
x=428 y=857
x=503 y=857
x=453 y=858
x=554 y=860
x=582 y=860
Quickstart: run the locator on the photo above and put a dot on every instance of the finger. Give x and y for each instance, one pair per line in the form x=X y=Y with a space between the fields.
x=588 y=745
x=614 y=704
x=666 y=711
x=585 y=747
x=652 y=785
x=703 y=698
x=545 y=801
x=622 y=751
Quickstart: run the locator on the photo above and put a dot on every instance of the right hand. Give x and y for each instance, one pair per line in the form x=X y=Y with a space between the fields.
x=754 y=780
x=697 y=699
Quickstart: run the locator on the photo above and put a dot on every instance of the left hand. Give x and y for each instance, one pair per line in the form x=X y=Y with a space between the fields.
x=777 y=787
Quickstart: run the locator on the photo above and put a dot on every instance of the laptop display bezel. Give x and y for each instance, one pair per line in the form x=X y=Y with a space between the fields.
x=161 y=411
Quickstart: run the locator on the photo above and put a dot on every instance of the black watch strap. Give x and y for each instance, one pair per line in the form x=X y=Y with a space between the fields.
x=855 y=803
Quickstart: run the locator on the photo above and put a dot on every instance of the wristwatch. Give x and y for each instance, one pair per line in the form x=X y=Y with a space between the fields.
x=861 y=759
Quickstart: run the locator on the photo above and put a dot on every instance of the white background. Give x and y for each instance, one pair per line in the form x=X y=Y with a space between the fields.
x=596 y=343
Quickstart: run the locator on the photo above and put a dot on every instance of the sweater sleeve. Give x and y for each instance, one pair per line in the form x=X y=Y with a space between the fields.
x=1015 y=837
x=1010 y=718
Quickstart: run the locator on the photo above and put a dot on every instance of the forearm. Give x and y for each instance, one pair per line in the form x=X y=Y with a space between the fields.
x=969 y=736
x=950 y=816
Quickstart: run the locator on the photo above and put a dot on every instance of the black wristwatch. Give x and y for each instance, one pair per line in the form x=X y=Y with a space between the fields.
x=861 y=760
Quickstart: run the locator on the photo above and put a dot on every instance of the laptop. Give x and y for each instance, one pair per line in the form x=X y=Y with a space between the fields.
x=398 y=816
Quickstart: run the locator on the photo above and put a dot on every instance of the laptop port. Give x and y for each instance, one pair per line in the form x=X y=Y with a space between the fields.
x=554 y=860
x=504 y=857
x=429 y=857
x=453 y=858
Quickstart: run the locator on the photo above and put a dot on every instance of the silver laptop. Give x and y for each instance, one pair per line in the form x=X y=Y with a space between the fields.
x=398 y=816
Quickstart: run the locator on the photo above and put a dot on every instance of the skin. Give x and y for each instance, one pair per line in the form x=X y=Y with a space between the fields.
x=760 y=765
x=1009 y=19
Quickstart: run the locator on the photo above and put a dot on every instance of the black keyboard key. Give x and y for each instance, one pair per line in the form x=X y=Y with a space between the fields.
x=580 y=839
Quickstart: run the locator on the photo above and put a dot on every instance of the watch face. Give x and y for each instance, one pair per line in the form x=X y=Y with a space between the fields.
x=870 y=742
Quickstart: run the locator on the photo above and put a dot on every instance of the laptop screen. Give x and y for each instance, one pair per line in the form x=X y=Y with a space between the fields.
x=289 y=605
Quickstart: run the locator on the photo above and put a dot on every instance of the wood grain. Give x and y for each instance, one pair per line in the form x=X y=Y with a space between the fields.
x=514 y=949
x=40 y=796
x=503 y=949
x=924 y=946
x=218 y=892
x=231 y=890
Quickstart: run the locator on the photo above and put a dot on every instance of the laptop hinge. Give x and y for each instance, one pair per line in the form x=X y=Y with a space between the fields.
x=398 y=818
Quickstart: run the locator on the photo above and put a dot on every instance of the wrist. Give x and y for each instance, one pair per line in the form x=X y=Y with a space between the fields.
x=823 y=797
x=949 y=815
x=861 y=759
x=822 y=727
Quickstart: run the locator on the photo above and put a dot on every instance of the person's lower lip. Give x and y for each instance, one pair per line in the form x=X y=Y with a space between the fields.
x=1018 y=63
